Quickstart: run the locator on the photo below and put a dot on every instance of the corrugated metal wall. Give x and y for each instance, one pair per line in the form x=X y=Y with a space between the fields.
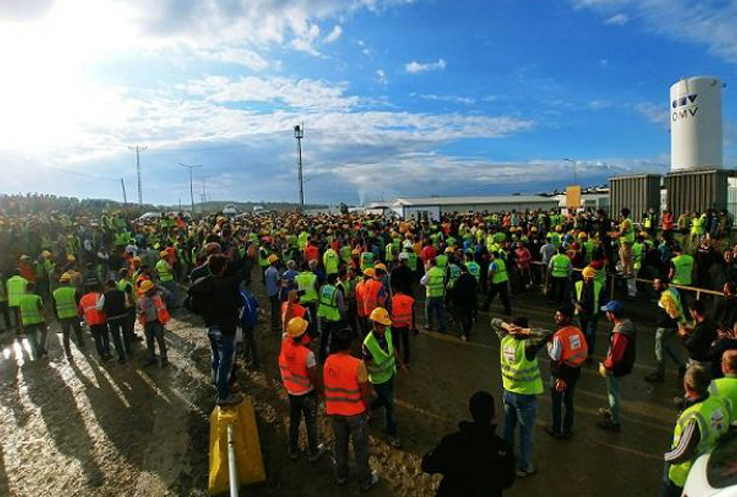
x=639 y=193
x=697 y=190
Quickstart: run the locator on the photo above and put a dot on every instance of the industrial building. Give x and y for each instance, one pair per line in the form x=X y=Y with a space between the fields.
x=435 y=207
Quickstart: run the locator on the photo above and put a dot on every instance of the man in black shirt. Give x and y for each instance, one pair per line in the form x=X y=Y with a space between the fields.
x=698 y=339
x=113 y=303
x=401 y=277
x=474 y=461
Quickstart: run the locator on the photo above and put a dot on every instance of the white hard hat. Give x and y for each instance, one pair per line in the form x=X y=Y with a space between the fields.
x=403 y=256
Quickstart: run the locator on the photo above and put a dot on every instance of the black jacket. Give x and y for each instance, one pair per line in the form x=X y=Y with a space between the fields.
x=221 y=295
x=474 y=462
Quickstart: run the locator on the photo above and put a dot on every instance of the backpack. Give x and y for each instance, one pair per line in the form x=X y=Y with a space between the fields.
x=198 y=296
x=249 y=311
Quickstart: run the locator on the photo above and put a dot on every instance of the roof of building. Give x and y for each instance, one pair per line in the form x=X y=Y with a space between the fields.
x=496 y=199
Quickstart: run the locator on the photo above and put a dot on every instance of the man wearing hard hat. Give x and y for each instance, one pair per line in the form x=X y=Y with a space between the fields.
x=381 y=360
x=66 y=299
x=301 y=380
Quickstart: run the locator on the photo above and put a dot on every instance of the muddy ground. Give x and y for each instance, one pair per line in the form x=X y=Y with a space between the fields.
x=90 y=429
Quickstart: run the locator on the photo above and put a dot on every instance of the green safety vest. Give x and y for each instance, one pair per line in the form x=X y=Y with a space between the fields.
x=124 y=285
x=66 y=302
x=637 y=250
x=679 y=305
x=683 y=268
x=589 y=250
x=442 y=261
x=29 y=312
x=725 y=388
x=345 y=253
x=390 y=254
x=500 y=275
x=454 y=272
x=648 y=223
x=302 y=240
x=331 y=260
x=162 y=268
x=561 y=264
x=383 y=365
x=367 y=260
x=597 y=291
x=555 y=240
x=474 y=270
x=519 y=375
x=435 y=278
x=328 y=309
x=306 y=281
x=713 y=417
x=629 y=235
x=412 y=261
x=16 y=290
x=263 y=256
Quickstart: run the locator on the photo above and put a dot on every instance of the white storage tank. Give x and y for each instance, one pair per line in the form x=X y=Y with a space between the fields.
x=696 y=123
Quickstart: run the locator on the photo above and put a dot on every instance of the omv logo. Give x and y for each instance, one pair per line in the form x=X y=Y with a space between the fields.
x=683 y=101
x=684 y=107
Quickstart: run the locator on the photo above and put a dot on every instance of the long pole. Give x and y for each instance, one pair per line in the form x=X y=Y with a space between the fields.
x=191 y=188
x=138 y=171
x=125 y=197
x=575 y=174
x=299 y=133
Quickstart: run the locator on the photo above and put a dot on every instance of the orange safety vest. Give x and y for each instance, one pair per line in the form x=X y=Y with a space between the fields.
x=574 y=346
x=342 y=393
x=293 y=366
x=88 y=307
x=402 y=311
x=371 y=296
x=361 y=298
x=162 y=313
x=312 y=253
x=667 y=222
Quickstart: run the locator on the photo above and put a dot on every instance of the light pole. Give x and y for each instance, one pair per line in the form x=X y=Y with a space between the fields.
x=299 y=133
x=191 y=190
x=575 y=176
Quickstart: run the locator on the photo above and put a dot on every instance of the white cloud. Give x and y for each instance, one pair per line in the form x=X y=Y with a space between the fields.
x=449 y=98
x=334 y=34
x=656 y=114
x=599 y=104
x=381 y=77
x=417 y=67
x=617 y=20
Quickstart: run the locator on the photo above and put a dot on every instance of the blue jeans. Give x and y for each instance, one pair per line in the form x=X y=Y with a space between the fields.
x=223 y=350
x=523 y=409
x=588 y=326
x=385 y=398
x=666 y=342
x=612 y=387
x=435 y=305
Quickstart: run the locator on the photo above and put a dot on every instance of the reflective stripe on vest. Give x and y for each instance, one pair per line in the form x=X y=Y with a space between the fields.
x=306 y=281
x=342 y=391
x=435 y=282
x=329 y=303
x=683 y=268
x=293 y=367
x=162 y=269
x=29 y=312
x=561 y=263
x=16 y=290
x=519 y=375
x=575 y=349
x=65 y=302
x=500 y=275
x=402 y=311
x=89 y=306
x=383 y=365
x=597 y=292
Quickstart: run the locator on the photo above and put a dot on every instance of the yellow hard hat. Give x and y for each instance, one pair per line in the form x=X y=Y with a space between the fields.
x=589 y=272
x=449 y=250
x=65 y=278
x=71 y=258
x=381 y=316
x=46 y=253
x=163 y=253
x=369 y=272
x=296 y=327
x=272 y=259
x=146 y=286
x=381 y=266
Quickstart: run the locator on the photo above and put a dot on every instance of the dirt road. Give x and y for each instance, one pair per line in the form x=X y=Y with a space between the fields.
x=86 y=428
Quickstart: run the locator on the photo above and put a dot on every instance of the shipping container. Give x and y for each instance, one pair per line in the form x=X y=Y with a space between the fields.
x=638 y=192
x=697 y=190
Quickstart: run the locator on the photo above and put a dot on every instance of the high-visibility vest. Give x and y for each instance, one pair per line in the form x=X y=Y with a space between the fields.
x=454 y=272
x=725 y=388
x=361 y=298
x=367 y=260
x=589 y=245
x=29 y=312
x=293 y=367
x=713 y=417
x=402 y=310
x=125 y=286
x=328 y=309
x=637 y=249
x=331 y=260
x=372 y=299
x=673 y=293
x=500 y=275
x=412 y=261
x=342 y=391
x=263 y=256
x=519 y=375
x=65 y=302
x=306 y=281
x=561 y=264
x=442 y=261
x=88 y=305
x=16 y=290
x=574 y=346
x=597 y=293
x=435 y=282
x=162 y=268
x=474 y=270
x=648 y=223
x=382 y=365
x=390 y=253
x=683 y=268
x=162 y=313
x=628 y=236
x=345 y=253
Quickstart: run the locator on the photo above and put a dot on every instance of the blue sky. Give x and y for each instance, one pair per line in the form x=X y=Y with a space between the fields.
x=398 y=97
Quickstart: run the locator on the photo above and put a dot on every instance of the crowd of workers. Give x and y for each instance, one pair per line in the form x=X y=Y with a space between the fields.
x=334 y=279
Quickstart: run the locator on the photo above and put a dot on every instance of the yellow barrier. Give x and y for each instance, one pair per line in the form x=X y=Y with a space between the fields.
x=247 y=447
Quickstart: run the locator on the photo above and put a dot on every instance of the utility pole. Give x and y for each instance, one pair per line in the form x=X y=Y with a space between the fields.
x=575 y=175
x=138 y=171
x=125 y=197
x=299 y=133
x=191 y=189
